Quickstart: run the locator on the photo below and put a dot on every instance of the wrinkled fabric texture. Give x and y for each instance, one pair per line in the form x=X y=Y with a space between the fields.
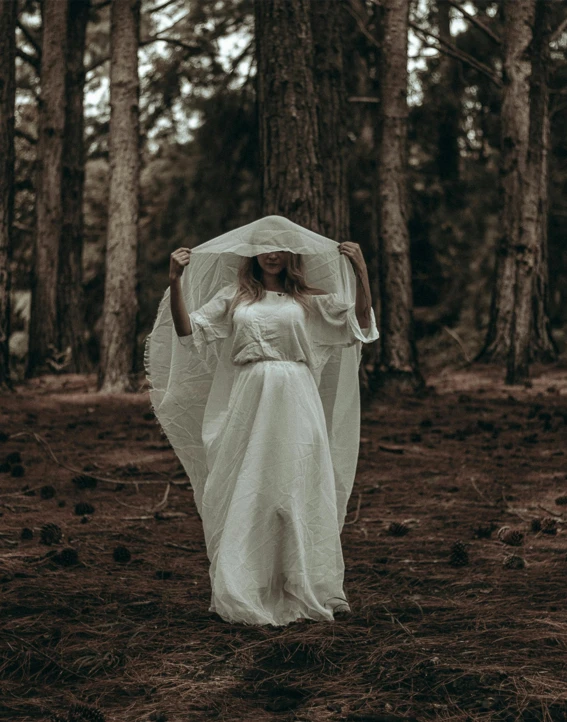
x=263 y=410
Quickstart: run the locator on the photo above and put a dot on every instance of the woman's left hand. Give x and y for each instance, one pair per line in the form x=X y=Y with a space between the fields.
x=354 y=253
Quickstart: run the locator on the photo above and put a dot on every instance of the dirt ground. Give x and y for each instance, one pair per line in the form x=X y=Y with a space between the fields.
x=427 y=639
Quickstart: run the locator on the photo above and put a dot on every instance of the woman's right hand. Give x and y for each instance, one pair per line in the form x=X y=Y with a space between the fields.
x=177 y=262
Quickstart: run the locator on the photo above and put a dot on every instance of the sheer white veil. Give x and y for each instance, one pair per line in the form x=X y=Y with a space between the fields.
x=188 y=388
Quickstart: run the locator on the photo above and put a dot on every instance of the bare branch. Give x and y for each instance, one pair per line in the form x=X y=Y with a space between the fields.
x=26 y=136
x=26 y=57
x=162 y=6
x=475 y=21
x=363 y=99
x=559 y=30
x=356 y=10
x=450 y=49
x=96 y=64
x=30 y=38
x=194 y=49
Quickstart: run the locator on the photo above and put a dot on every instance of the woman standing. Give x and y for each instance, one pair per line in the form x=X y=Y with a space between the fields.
x=260 y=402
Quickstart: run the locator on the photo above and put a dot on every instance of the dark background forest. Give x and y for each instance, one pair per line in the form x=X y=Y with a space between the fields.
x=200 y=171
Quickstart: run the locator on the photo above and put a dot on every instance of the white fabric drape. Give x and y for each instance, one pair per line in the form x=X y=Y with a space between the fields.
x=198 y=389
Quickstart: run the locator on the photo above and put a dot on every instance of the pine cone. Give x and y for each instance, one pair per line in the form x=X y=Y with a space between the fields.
x=50 y=533
x=536 y=525
x=459 y=555
x=82 y=713
x=398 y=528
x=17 y=470
x=121 y=554
x=26 y=533
x=67 y=557
x=84 y=481
x=549 y=525
x=83 y=507
x=5 y=467
x=514 y=561
x=512 y=537
x=14 y=458
x=561 y=500
x=47 y=491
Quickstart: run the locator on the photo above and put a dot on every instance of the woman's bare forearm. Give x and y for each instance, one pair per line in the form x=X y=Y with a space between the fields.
x=363 y=298
x=178 y=310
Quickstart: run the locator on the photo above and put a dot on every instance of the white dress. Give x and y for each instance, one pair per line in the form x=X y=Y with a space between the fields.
x=269 y=504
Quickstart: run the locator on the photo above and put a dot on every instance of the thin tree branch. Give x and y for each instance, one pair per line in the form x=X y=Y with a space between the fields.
x=354 y=8
x=363 y=99
x=26 y=136
x=454 y=52
x=30 y=38
x=100 y=5
x=162 y=6
x=475 y=21
x=96 y=64
x=27 y=58
x=194 y=49
x=559 y=30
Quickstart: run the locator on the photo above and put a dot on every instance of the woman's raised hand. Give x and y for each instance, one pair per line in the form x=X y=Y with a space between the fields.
x=177 y=262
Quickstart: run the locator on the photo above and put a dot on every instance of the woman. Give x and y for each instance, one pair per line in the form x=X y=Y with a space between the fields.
x=274 y=468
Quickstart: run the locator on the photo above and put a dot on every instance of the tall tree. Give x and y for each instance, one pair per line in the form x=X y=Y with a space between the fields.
x=398 y=368
x=292 y=181
x=43 y=342
x=328 y=28
x=69 y=282
x=530 y=253
x=514 y=120
x=120 y=290
x=449 y=105
x=8 y=14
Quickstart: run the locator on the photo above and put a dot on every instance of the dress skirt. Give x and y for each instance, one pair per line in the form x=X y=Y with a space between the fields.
x=269 y=501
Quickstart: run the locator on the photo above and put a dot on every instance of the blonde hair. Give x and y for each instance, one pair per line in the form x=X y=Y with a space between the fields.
x=251 y=288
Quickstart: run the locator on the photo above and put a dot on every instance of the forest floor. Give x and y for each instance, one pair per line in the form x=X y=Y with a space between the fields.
x=426 y=640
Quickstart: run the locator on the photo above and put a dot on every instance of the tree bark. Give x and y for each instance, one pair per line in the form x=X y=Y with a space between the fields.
x=515 y=121
x=292 y=180
x=448 y=154
x=120 y=291
x=328 y=27
x=530 y=253
x=543 y=346
x=43 y=322
x=398 y=369
x=70 y=298
x=8 y=14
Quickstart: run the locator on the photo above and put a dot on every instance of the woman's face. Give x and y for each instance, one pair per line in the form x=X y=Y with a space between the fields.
x=273 y=262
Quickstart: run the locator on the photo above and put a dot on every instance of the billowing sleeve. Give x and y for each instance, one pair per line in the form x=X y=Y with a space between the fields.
x=334 y=322
x=212 y=320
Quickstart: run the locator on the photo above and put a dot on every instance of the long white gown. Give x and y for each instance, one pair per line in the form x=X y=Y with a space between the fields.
x=269 y=503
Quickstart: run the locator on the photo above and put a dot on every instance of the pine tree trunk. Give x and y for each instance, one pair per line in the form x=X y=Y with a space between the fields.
x=292 y=181
x=530 y=250
x=448 y=154
x=518 y=23
x=120 y=291
x=8 y=14
x=43 y=322
x=398 y=369
x=327 y=24
x=70 y=299
x=543 y=347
